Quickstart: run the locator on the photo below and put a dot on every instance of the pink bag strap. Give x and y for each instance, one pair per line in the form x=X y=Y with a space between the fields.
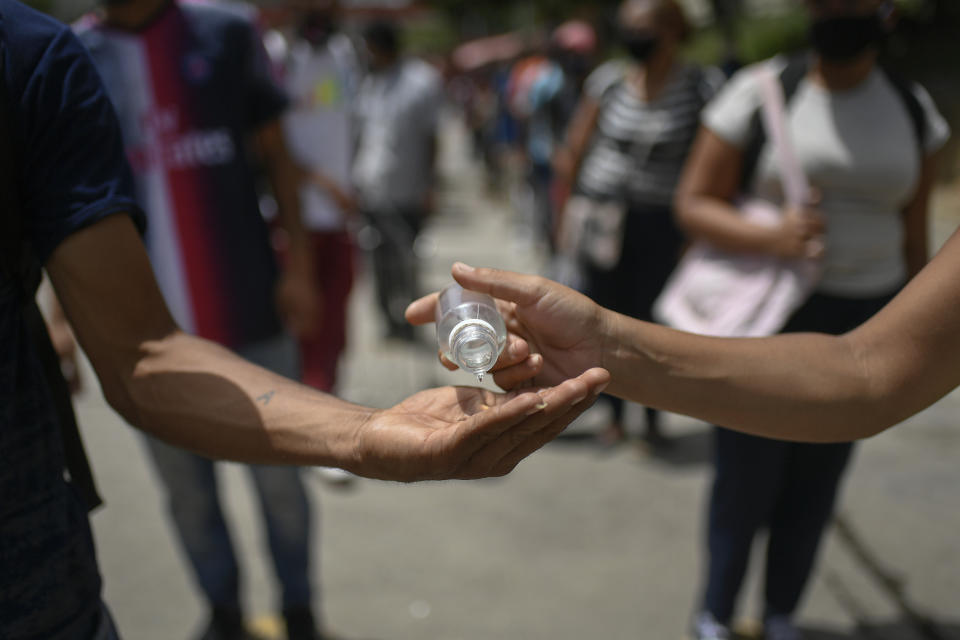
x=796 y=188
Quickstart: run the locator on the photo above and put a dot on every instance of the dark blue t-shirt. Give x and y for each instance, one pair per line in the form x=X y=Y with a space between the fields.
x=70 y=172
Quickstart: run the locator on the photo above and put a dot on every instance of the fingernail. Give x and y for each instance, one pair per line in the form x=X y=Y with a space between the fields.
x=602 y=388
x=462 y=266
x=536 y=408
x=579 y=399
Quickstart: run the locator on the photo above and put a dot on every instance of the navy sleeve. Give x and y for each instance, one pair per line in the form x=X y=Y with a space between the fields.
x=74 y=169
x=265 y=100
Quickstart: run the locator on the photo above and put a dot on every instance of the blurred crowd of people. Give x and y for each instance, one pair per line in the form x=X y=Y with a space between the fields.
x=628 y=160
x=601 y=142
x=229 y=115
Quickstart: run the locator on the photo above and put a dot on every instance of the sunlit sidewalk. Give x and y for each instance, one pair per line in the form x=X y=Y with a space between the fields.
x=577 y=543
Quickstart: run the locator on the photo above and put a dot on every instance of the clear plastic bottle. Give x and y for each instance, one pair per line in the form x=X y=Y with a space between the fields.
x=470 y=331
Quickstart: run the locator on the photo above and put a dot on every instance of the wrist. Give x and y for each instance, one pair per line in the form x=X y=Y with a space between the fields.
x=770 y=241
x=355 y=450
x=761 y=239
x=610 y=342
x=358 y=448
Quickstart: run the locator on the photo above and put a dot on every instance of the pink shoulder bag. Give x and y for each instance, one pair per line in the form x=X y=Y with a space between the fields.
x=720 y=293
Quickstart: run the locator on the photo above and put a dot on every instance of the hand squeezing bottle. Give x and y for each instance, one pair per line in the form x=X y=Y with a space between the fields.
x=470 y=331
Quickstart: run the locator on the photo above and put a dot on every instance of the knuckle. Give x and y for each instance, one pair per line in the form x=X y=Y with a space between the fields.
x=487 y=272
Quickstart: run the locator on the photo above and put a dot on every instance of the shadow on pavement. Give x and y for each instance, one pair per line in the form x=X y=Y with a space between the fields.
x=682 y=450
x=898 y=630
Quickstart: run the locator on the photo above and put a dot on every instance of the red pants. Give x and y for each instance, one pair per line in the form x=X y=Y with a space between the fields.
x=334 y=257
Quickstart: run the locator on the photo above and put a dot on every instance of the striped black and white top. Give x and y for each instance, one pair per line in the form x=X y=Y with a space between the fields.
x=639 y=147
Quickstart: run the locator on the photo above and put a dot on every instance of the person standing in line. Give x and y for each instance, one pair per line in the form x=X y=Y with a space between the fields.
x=725 y=14
x=191 y=85
x=548 y=105
x=321 y=73
x=868 y=225
x=626 y=145
x=398 y=108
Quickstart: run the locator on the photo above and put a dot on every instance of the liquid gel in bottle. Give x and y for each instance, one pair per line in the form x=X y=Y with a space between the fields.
x=470 y=331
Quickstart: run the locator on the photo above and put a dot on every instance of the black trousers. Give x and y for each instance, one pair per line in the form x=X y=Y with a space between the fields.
x=788 y=487
x=395 y=265
x=651 y=249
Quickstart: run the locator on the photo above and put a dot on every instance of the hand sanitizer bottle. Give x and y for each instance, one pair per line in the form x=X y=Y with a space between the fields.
x=470 y=331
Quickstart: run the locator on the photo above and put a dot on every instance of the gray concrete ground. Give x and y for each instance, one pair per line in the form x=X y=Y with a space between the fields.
x=576 y=543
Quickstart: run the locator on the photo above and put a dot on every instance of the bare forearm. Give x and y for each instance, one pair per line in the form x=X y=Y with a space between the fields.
x=199 y=396
x=708 y=185
x=285 y=178
x=807 y=387
x=284 y=186
x=719 y=223
x=570 y=155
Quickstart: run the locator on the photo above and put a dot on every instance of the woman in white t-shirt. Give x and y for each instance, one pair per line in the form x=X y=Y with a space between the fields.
x=866 y=143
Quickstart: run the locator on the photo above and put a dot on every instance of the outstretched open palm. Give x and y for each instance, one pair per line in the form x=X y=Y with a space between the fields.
x=465 y=432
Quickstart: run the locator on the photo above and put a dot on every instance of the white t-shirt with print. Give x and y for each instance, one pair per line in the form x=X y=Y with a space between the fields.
x=858 y=148
x=322 y=84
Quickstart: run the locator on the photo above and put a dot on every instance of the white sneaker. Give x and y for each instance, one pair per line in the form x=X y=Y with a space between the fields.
x=706 y=627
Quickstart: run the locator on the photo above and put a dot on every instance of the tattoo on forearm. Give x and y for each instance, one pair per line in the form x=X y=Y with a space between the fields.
x=266 y=398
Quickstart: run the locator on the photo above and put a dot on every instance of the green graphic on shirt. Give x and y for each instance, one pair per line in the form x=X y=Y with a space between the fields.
x=327 y=93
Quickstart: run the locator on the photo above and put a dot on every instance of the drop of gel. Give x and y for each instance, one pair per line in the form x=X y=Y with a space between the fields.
x=480 y=377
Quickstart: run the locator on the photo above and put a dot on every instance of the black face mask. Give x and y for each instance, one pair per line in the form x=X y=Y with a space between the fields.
x=639 y=44
x=844 y=38
x=317 y=26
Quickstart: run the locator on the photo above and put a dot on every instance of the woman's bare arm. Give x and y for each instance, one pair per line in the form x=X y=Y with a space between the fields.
x=569 y=156
x=807 y=387
x=709 y=185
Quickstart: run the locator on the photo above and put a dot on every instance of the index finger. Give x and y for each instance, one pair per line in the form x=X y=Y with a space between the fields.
x=506 y=285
